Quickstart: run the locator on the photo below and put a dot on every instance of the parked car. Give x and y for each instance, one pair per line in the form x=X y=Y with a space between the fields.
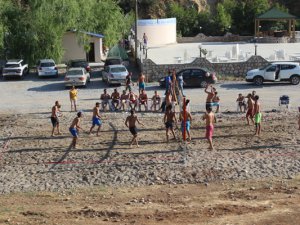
x=115 y=61
x=15 y=68
x=2 y=64
x=46 y=67
x=114 y=74
x=79 y=63
x=194 y=77
x=77 y=77
x=275 y=72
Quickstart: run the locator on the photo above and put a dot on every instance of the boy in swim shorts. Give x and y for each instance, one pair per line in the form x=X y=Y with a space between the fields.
x=210 y=118
x=131 y=124
x=250 y=111
x=96 y=120
x=169 y=120
x=257 y=116
x=55 y=113
x=187 y=123
x=141 y=82
x=74 y=129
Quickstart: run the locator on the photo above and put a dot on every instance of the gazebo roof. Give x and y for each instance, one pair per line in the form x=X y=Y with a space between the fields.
x=275 y=14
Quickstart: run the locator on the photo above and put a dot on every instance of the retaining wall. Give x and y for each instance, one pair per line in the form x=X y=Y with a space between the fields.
x=203 y=38
x=154 y=71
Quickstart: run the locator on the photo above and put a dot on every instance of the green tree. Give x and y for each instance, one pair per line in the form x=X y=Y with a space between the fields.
x=252 y=9
x=223 y=18
x=187 y=22
x=34 y=28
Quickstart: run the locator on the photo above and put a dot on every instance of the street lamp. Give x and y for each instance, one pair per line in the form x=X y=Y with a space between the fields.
x=200 y=49
x=255 y=46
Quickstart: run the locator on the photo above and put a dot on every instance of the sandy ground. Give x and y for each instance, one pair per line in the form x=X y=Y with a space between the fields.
x=264 y=202
x=105 y=181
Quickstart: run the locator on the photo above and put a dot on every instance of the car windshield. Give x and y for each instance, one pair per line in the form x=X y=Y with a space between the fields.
x=117 y=69
x=47 y=64
x=113 y=61
x=74 y=73
x=78 y=64
x=263 y=68
x=12 y=65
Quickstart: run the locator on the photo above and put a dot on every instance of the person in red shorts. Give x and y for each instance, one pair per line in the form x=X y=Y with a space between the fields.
x=250 y=111
x=210 y=119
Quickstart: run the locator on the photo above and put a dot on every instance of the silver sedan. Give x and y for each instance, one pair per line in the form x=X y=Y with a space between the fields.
x=77 y=77
x=114 y=74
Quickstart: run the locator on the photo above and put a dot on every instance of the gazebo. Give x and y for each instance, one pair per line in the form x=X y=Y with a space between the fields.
x=275 y=14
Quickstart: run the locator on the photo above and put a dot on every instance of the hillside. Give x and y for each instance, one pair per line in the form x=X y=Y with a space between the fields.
x=157 y=8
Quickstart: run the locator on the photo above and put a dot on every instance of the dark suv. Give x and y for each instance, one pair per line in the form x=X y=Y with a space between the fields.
x=194 y=77
x=79 y=63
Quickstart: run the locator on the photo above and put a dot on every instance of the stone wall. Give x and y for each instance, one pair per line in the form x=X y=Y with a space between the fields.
x=203 y=38
x=154 y=71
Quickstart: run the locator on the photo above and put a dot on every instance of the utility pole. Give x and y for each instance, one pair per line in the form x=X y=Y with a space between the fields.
x=135 y=35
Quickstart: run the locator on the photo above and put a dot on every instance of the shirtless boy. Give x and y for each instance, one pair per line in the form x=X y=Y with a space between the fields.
x=257 y=116
x=129 y=81
x=123 y=100
x=141 y=82
x=105 y=99
x=74 y=129
x=54 y=118
x=210 y=96
x=96 y=120
x=169 y=120
x=155 y=101
x=131 y=124
x=143 y=100
x=187 y=123
x=250 y=111
x=241 y=103
x=209 y=117
x=132 y=100
x=115 y=96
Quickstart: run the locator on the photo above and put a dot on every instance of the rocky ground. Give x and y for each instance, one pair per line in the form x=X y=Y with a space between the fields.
x=31 y=160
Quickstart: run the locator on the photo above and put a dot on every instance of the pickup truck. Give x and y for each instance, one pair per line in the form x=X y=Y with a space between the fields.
x=15 y=68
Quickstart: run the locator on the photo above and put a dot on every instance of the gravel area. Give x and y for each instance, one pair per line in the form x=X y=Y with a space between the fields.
x=30 y=160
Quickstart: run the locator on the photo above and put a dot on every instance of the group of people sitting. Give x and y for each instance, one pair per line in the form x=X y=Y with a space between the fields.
x=129 y=100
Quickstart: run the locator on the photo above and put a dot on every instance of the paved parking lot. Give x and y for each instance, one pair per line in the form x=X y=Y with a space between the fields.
x=38 y=95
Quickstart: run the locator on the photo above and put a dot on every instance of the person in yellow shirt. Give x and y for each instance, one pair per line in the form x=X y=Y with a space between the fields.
x=73 y=98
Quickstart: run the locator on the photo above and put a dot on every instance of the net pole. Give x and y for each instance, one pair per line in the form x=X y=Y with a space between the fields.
x=184 y=119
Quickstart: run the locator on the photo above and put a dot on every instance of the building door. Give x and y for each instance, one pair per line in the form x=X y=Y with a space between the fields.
x=90 y=56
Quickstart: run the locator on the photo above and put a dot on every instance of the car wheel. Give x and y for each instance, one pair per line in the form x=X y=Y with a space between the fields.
x=295 y=79
x=258 y=81
x=203 y=84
